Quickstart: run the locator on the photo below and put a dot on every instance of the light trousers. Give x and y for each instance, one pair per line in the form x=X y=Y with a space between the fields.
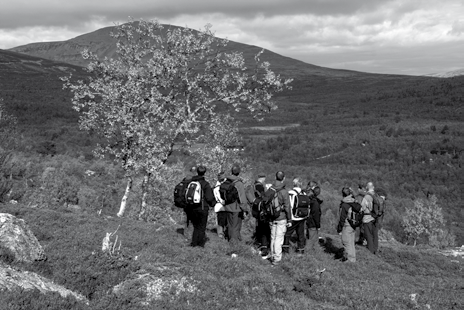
x=278 y=229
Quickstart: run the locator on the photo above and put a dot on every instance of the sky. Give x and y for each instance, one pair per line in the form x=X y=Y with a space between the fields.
x=413 y=37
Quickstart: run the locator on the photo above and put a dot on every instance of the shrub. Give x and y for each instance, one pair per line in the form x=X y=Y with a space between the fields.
x=424 y=221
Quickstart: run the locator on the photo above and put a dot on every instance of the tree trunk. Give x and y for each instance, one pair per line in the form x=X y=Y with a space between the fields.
x=122 y=209
x=143 y=208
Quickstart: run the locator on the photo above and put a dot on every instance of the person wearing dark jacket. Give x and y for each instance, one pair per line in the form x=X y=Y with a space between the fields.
x=344 y=227
x=237 y=210
x=262 y=231
x=298 y=221
x=198 y=212
x=314 y=221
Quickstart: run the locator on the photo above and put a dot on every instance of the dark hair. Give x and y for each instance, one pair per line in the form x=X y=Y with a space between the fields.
x=280 y=175
x=235 y=170
x=201 y=170
x=346 y=191
x=312 y=184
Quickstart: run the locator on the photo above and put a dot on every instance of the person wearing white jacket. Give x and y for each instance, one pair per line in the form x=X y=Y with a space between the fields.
x=299 y=215
x=221 y=213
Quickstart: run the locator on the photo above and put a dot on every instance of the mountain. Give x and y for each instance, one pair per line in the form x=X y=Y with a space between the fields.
x=448 y=74
x=101 y=43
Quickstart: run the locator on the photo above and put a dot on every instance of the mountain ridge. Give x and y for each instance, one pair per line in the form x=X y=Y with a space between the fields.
x=101 y=43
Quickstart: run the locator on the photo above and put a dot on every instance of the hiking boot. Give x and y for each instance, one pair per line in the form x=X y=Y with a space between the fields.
x=299 y=252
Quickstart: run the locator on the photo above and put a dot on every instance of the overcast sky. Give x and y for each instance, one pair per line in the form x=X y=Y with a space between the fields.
x=381 y=36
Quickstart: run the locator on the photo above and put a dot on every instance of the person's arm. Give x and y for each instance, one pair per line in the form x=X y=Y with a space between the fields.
x=286 y=204
x=343 y=216
x=242 y=197
x=209 y=195
x=317 y=214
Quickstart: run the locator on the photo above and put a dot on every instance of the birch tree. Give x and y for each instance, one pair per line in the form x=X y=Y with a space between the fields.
x=164 y=87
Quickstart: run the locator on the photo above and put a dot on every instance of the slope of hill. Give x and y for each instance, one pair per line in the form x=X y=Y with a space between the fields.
x=101 y=43
x=448 y=74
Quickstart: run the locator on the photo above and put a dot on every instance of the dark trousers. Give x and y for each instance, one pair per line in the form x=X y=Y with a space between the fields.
x=263 y=233
x=299 y=228
x=371 y=234
x=234 y=225
x=199 y=219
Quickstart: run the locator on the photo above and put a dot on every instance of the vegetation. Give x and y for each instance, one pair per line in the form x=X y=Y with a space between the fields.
x=73 y=245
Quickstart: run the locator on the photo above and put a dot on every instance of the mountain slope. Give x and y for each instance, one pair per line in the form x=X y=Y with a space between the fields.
x=101 y=43
x=448 y=74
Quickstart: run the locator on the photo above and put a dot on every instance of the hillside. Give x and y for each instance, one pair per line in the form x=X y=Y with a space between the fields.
x=101 y=43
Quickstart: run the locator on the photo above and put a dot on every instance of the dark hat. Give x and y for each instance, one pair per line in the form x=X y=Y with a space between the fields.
x=221 y=175
x=381 y=192
x=261 y=175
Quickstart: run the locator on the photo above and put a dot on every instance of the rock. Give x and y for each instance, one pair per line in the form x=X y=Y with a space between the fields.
x=154 y=286
x=11 y=279
x=18 y=238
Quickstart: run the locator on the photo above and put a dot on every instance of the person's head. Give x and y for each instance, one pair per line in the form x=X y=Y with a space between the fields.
x=370 y=186
x=381 y=193
x=280 y=176
x=193 y=170
x=201 y=170
x=312 y=184
x=346 y=191
x=310 y=193
x=261 y=178
x=297 y=182
x=221 y=176
x=235 y=170
x=317 y=191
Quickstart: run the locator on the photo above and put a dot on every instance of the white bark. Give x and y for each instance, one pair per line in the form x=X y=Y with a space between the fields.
x=122 y=208
x=143 y=208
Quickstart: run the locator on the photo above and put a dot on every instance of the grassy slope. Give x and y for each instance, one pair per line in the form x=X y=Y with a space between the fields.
x=72 y=242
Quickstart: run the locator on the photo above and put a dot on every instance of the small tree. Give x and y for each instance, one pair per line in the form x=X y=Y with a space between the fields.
x=165 y=87
x=425 y=220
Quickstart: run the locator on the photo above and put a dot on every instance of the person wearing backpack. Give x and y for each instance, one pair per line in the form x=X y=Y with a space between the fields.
x=370 y=229
x=300 y=204
x=221 y=214
x=200 y=197
x=350 y=218
x=254 y=194
x=313 y=223
x=233 y=192
x=382 y=197
x=179 y=201
x=282 y=221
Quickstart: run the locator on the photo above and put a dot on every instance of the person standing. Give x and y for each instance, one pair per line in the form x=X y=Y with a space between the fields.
x=221 y=214
x=370 y=229
x=300 y=204
x=314 y=220
x=254 y=195
x=279 y=225
x=198 y=212
x=238 y=209
x=346 y=228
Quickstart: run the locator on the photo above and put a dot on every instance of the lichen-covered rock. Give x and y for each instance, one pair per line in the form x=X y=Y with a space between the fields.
x=11 y=279
x=19 y=239
x=153 y=287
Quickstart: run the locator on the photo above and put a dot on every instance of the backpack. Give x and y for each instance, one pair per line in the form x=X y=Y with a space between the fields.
x=355 y=215
x=179 y=193
x=255 y=198
x=228 y=191
x=193 y=193
x=301 y=205
x=270 y=205
x=378 y=205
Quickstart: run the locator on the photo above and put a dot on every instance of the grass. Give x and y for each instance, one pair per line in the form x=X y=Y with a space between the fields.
x=72 y=243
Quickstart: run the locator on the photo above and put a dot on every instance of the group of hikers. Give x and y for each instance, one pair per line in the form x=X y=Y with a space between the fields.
x=279 y=213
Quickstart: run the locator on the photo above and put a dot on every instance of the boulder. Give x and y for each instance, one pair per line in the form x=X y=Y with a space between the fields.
x=19 y=239
x=11 y=279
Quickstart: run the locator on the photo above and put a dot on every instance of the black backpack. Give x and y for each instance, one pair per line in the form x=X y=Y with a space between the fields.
x=179 y=193
x=254 y=195
x=355 y=215
x=228 y=191
x=378 y=205
x=270 y=205
x=301 y=205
